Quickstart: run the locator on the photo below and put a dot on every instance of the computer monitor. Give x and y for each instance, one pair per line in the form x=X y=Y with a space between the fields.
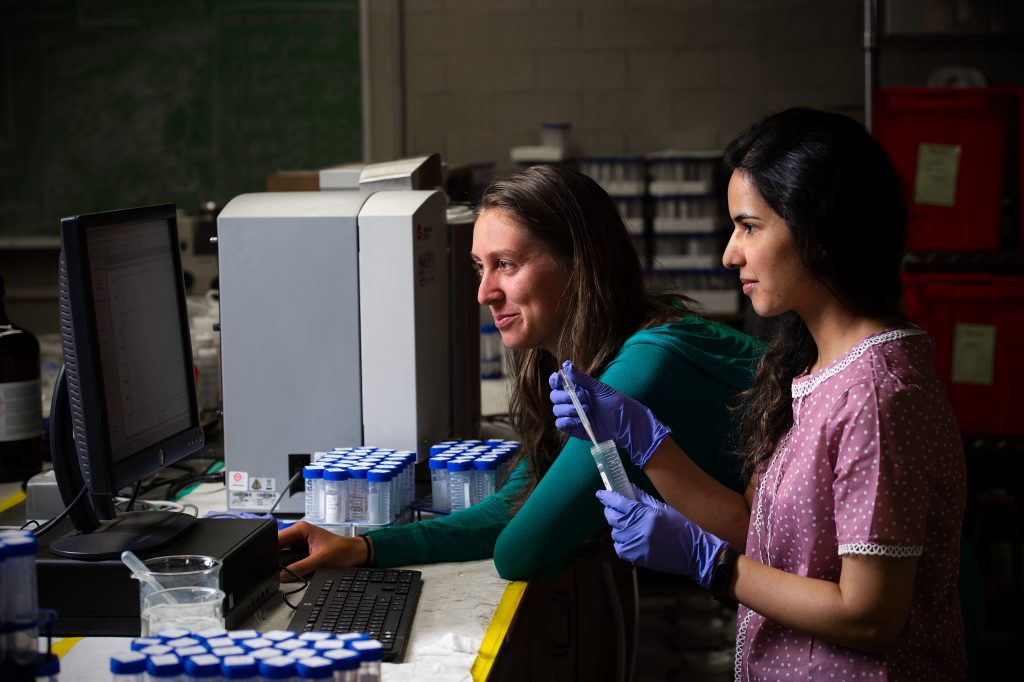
x=125 y=402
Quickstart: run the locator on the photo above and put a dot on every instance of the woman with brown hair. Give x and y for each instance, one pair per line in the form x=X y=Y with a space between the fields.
x=560 y=274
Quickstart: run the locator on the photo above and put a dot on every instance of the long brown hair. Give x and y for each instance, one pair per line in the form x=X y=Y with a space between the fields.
x=839 y=194
x=605 y=297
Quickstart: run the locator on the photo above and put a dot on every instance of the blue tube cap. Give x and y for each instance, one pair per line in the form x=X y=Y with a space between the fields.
x=129 y=663
x=203 y=665
x=369 y=649
x=343 y=659
x=314 y=668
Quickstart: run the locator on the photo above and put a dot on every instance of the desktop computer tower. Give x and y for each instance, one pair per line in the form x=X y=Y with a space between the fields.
x=334 y=331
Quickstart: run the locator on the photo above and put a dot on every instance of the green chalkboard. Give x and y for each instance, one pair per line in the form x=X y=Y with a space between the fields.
x=115 y=103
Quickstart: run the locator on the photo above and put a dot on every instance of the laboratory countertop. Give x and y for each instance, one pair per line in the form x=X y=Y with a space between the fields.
x=455 y=634
x=447 y=633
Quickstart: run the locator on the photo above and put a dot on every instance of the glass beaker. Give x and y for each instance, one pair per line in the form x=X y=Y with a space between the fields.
x=183 y=570
x=191 y=608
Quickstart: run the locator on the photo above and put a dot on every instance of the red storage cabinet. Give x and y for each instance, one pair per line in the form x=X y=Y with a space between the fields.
x=1020 y=159
x=949 y=147
x=977 y=320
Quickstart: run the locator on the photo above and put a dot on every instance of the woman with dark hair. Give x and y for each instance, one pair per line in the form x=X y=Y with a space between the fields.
x=560 y=274
x=850 y=525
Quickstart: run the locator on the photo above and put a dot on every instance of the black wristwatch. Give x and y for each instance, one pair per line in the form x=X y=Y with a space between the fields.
x=721 y=574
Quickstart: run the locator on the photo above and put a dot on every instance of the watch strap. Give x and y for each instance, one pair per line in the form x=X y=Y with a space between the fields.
x=721 y=574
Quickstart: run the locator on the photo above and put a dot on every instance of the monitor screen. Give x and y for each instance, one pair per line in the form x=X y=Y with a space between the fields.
x=128 y=385
x=134 y=295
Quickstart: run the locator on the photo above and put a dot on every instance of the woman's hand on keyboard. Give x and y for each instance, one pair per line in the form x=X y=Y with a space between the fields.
x=324 y=547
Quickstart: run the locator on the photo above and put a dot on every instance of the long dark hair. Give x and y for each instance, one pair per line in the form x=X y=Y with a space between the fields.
x=839 y=194
x=605 y=296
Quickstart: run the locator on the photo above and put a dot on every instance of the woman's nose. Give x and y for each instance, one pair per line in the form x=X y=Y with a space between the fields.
x=487 y=293
x=732 y=256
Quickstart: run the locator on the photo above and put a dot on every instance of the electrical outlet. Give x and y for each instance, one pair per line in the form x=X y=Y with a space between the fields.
x=295 y=464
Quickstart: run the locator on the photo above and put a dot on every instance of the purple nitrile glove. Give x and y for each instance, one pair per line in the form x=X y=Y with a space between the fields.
x=652 y=534
x=613 y=415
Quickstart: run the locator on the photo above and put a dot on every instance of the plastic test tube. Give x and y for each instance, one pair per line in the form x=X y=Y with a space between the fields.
x=164 y=667
x=314 y=476
x=485 y=470
x=609 y=465
x=128 y=667
x=240 y=668
x=3 y=606
x=379 y=501
x=335 y=495
x=395 y=486
x=205 y=667
x=21 y=606
x=314 y=668
x=439 y=483
x=346 y=664
x=357 y=493
x=277 y=668
x=460 y=483
x=371 y=652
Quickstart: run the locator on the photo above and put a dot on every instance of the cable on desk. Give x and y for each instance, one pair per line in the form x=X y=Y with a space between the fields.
x=298 y=577
x=135 y=494
x=48 y=526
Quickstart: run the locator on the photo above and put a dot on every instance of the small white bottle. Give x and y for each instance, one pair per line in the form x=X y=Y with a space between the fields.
x=21 y=606
x=128 y=667
x=460 y=483
x=439 y=483
x=314 y=476
x=335 y=495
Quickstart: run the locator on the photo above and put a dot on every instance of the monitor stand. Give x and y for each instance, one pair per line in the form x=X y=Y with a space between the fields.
x=134 y=531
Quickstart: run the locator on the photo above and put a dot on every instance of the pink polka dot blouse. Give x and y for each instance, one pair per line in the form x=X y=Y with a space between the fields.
x=873 y=465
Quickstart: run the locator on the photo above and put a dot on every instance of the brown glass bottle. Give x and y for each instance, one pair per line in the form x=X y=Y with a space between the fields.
x=21 y=414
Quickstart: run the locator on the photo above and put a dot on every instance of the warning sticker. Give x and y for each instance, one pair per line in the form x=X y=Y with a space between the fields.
x=238 y=480
x=261 y=484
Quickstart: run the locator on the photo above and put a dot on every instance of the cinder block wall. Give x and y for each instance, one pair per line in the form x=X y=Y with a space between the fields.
x=631 y=76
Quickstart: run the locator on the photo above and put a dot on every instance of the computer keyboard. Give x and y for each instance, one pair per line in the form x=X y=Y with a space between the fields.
x=379 y=602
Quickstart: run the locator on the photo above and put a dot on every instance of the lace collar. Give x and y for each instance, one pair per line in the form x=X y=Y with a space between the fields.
x=805 y=385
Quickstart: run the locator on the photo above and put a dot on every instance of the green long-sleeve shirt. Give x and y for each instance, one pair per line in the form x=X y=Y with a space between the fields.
x=684 y=371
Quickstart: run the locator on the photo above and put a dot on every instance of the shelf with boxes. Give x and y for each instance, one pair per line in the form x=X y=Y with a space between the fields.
x=672 y=202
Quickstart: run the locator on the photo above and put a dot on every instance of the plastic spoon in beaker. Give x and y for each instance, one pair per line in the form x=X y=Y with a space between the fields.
x=139 y=570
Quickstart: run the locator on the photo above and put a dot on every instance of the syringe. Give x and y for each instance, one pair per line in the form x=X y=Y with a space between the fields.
x=605 y=454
